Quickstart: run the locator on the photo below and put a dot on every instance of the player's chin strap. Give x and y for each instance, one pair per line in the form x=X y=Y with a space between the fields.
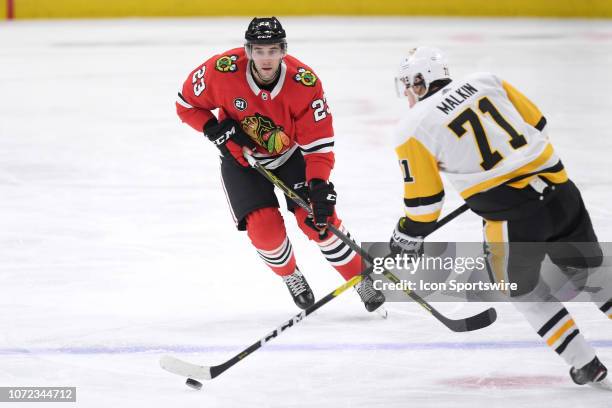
x=476 y=322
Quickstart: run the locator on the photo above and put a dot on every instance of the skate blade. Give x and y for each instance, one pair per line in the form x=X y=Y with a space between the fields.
x=382 y=312
x=605 y=384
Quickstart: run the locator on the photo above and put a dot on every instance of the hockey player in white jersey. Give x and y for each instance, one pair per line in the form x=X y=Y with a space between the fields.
x=492 y=144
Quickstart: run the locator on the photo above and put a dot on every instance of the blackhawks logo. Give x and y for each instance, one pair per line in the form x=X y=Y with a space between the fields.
x=266 y=133
x=227 y=63
x=305 y=77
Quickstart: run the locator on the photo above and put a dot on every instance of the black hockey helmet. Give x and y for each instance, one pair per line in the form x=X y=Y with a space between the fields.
x=265 y=30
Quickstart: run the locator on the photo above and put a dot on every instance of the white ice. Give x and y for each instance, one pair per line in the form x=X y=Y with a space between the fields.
x=116 y=244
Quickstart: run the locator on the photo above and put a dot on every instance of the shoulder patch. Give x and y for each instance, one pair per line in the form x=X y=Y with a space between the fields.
x=305 y=77
x=227 y=63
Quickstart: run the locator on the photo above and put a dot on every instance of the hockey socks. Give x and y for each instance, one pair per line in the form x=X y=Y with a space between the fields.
x=555 y=325
x=266 y=230
x=339 y=255
x=605 y=307
x=344 y=259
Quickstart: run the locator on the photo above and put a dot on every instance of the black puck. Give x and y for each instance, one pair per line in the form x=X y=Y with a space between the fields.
x=195 y=384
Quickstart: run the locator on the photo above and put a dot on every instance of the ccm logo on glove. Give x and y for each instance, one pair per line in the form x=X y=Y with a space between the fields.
x=225 y=136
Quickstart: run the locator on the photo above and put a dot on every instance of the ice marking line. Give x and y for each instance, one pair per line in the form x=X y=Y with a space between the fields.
x=134 y=349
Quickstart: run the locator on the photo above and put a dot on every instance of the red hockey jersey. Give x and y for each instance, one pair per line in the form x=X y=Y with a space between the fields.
x=293 y=115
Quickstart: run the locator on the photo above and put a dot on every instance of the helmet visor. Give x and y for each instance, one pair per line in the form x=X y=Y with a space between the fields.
x=261 y=51
x=401 y=85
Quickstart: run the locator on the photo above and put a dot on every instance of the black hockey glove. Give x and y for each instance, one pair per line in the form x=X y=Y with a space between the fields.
x=403 y=243
x=229 y=137
x=322 y=201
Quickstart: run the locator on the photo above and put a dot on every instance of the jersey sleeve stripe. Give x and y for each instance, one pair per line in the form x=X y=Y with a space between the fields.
x=323 y=148
x=415 y=202
x=317 y=147
x=424 y=209
x=312 y=145
x=541 y=124
x=181 y=101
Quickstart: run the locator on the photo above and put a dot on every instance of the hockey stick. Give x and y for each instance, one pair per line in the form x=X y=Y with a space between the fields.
x=200 y=372
x=476 y=322
x=186 y=369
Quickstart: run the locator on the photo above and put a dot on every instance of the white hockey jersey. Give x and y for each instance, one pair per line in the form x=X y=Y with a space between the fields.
x=487 y=137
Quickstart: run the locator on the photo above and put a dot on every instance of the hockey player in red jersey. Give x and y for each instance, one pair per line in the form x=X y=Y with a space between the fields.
x=272 y=105
x=492 y=144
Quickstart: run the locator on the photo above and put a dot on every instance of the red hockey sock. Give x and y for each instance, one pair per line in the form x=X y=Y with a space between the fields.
x=346 y=261
x=266 y=230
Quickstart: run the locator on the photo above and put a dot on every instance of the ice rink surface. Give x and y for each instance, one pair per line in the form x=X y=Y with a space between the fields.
x=116 y=244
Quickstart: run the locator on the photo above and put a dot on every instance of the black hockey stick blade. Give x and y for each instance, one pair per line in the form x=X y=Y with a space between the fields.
x=476 y=322
x=202 y=372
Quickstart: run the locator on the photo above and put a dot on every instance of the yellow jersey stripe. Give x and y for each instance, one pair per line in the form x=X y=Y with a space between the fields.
x=495 y=181
x=556 y=178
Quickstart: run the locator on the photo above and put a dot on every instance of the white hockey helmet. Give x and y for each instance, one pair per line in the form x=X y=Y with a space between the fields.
x=422 y=66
